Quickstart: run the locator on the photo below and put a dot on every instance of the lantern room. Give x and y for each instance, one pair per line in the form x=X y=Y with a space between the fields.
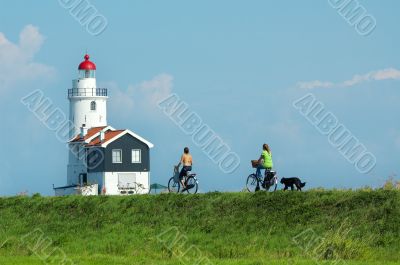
x=87 y=69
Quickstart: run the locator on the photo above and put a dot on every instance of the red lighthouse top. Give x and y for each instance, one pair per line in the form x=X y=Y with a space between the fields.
x=86 y=64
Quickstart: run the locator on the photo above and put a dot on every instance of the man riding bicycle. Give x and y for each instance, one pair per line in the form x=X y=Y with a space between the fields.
x=187 y=162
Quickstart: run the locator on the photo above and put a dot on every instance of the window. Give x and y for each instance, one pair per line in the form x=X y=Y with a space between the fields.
x=126 y=180
x=86 y=74
x=117 y=156
x=93 y=105
x=136 y=156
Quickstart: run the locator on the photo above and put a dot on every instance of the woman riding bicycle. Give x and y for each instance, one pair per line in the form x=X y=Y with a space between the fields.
x=187 y=162
x=265 y=160
x=254 y=181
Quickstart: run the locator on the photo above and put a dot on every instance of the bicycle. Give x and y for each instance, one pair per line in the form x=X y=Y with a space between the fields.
x=270 y=180
x=190 y=180
x=135 y=188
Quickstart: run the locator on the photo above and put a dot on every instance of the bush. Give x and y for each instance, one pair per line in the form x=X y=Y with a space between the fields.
x=36 y=195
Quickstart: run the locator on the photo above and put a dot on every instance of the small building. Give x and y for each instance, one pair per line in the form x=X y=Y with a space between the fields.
x=102 y=160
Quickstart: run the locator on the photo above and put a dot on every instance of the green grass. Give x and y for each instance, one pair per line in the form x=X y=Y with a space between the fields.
x=107 y=260
x=355 y=227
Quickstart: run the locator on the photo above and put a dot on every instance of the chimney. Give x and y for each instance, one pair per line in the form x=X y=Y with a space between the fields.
x=101 y=136
x=83 y=130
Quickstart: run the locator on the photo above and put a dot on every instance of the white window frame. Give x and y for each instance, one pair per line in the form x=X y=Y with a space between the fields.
x=112 y=156
x=140 y=156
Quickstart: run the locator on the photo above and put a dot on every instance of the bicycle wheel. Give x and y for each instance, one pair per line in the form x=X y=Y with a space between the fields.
x=271 y=187
x=173 y=186
x=275 y=183
x=252 y=183
x=192 y=185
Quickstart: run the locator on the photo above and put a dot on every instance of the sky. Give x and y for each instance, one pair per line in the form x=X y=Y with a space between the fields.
x=238 y=65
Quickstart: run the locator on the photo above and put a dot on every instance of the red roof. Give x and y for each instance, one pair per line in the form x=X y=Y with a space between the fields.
x=90 y=133
x=86 y=64
x=108 y=135
x=92 y=137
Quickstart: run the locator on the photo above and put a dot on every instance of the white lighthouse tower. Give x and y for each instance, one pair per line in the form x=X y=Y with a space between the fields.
x=87 y=109
x=87 y=103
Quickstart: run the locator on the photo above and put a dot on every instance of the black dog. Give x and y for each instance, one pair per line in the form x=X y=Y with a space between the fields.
x=291 y=182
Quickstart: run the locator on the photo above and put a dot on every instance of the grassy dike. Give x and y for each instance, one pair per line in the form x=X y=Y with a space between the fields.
x=346 y=227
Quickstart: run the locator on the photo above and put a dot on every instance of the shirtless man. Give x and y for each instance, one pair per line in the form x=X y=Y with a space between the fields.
x=186 y=161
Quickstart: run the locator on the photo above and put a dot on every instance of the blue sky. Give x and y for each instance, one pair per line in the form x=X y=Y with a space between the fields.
x=238 y=64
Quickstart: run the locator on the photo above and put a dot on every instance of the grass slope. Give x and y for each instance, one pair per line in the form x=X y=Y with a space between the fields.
x=346 y=227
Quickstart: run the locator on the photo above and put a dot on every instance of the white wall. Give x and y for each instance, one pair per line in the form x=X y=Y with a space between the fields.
x=111 y=183
x=111 y=180
x=144 y=179
x=66 y=191
x=85 y=191
x=90 y=190
x=80 y=113
x=79 y=106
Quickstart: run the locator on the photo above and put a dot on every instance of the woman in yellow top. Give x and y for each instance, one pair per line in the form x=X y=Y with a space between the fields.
x=187 y=162
x=265 y=160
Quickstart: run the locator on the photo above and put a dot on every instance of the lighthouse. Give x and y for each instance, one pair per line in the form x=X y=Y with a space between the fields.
x=101 y=159
x=87 y=109
x=87 y=102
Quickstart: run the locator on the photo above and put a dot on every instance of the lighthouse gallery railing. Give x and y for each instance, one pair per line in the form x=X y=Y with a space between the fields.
x=87 y=92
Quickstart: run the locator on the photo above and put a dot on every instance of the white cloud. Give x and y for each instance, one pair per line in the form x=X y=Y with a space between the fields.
x=142 y=97
x=390 y=73
x=156 y=89
x=384 y=74
x=314 y=84
x=17 y=59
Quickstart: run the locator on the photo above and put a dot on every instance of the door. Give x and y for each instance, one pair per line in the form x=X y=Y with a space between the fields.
x=83 y=179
